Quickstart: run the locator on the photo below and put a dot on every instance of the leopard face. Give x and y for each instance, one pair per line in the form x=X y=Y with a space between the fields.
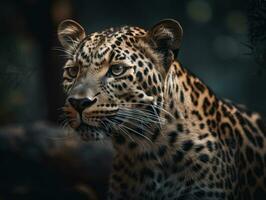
x=114 y=79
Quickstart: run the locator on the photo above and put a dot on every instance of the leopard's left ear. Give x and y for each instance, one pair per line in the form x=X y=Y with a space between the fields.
x=70 y=33
x=166 y=37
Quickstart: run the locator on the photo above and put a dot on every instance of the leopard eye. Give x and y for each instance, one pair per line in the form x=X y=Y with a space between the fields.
x=72 y=71
x=117 y=70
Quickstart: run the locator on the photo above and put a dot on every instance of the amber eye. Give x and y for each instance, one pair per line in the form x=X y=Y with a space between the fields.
x=72 y=71
x=117 y=70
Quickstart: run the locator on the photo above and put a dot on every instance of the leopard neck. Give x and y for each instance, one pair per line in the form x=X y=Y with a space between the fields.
x=186 y=100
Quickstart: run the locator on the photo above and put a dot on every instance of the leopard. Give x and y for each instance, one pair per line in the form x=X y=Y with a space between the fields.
x=172 y=136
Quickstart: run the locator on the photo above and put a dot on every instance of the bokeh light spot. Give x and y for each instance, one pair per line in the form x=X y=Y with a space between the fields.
x=199 y=11
x=61 y=10
x=236 y=22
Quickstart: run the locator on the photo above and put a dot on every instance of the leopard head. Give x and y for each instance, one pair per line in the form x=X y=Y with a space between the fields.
x=114 y=79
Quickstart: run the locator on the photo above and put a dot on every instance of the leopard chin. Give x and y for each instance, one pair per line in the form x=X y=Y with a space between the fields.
x=91 y=133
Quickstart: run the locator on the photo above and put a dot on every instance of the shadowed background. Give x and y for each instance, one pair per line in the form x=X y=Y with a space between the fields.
x=222 y=45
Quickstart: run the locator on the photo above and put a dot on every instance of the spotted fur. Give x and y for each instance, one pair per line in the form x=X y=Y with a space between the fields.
x=173 y=138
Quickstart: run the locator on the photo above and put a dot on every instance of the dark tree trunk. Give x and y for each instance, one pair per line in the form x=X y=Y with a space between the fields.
x=41 y=22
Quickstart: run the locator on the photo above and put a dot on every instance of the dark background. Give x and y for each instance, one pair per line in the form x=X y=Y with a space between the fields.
x=222 y=44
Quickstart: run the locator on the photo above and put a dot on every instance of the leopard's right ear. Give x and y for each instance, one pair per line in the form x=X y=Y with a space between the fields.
x=70 y=33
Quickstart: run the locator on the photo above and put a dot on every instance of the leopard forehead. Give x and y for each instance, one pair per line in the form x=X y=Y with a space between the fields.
x=95 y=46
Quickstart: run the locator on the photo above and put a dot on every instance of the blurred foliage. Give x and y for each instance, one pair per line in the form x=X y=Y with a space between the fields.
x=257 y=29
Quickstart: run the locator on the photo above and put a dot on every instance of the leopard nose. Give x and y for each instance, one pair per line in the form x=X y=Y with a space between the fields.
x=81 y=103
